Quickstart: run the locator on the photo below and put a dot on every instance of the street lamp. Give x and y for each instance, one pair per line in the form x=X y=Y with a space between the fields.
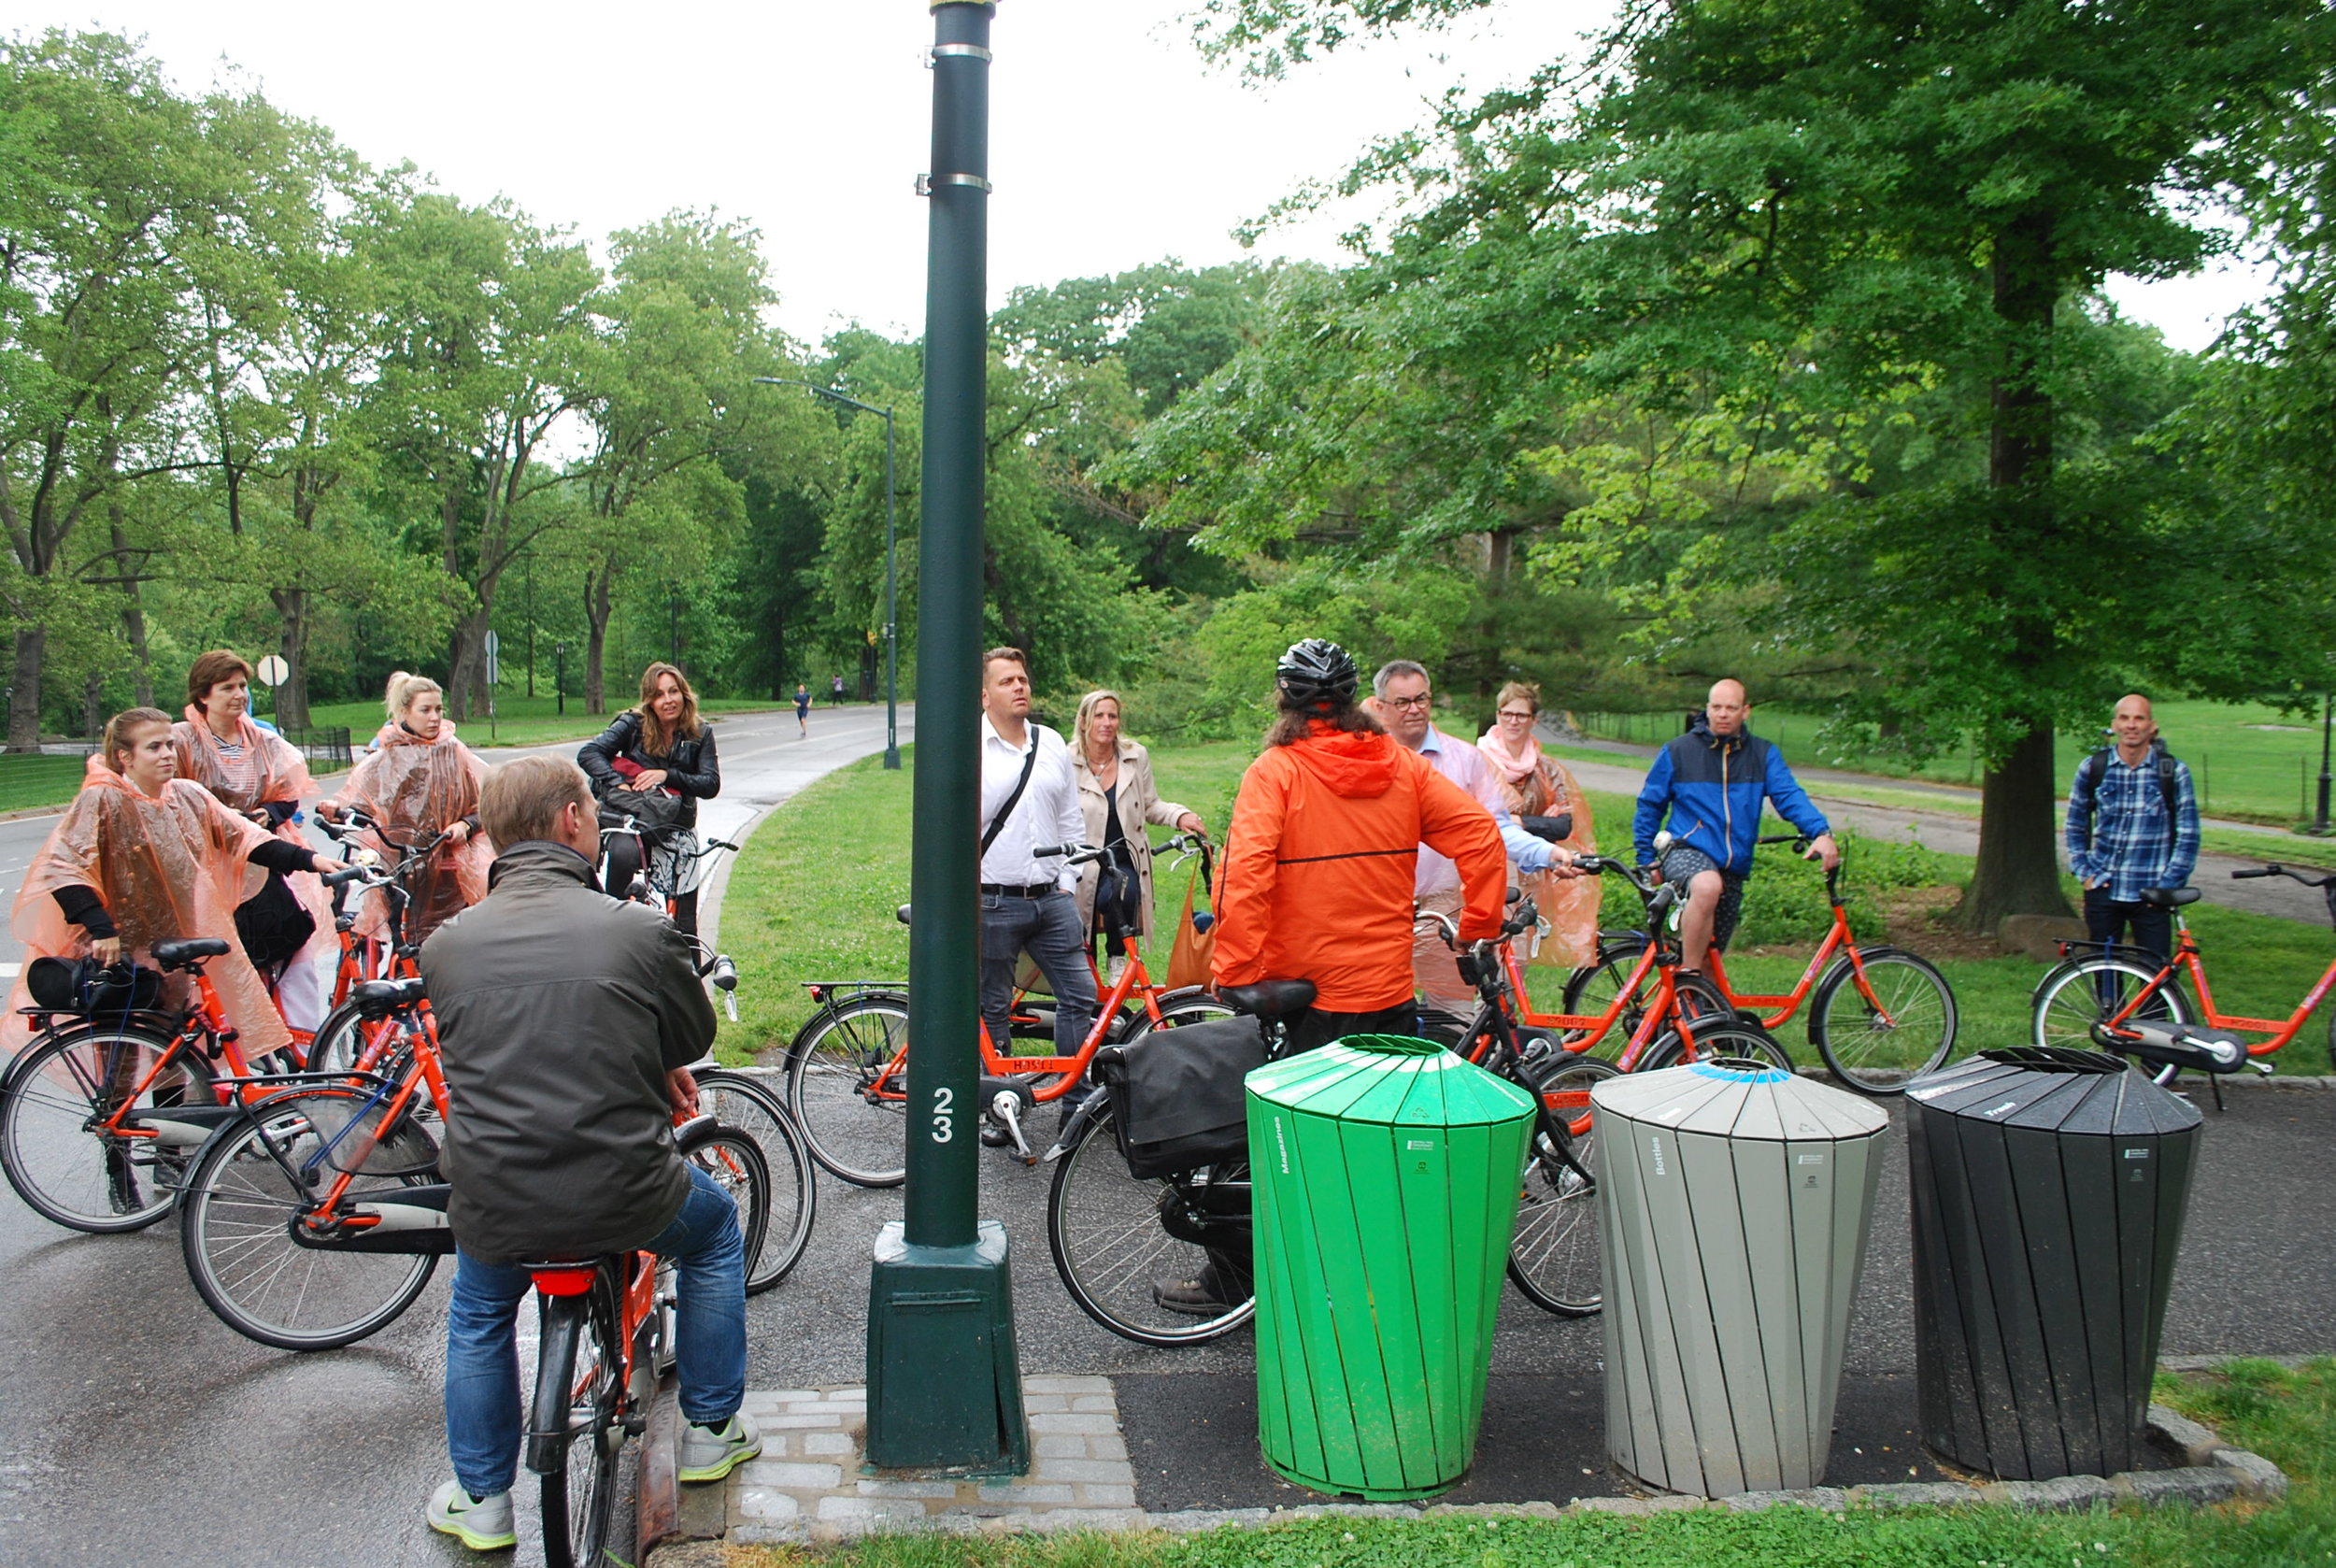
x=560 y=675
x=2327 y=727
x=892 y=645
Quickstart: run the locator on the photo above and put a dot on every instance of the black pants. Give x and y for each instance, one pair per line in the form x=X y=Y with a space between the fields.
x=1233 y=1271
x=2108 y=920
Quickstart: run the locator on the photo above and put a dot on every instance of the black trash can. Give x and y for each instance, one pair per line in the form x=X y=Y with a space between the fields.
x=2049 y=1188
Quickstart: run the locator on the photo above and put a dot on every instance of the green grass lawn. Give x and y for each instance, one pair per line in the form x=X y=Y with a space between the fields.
x=812 y=895
x=29 y=783
x=518 y=721
x=2250 y=761
x=2288 y=1417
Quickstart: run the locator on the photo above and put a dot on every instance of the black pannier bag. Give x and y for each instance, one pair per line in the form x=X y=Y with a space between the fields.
x=648 y=808
x=86 y=986
x=1176 y=1095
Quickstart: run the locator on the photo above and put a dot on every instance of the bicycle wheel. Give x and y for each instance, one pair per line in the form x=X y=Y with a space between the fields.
x=1111 y=1246
x=1739 y=1038
x=2073 y=998
x=1590 y=990
x=747 y=1103
x=577 y=1427
x=344 y=1039
x=736 y=1162
x=1554 y=1251
x=1905 y=1030
x=252 y=1183
x=857 y=1126
x=52 y=1100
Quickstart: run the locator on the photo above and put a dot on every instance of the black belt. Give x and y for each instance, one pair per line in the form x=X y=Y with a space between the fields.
x=1012 y=890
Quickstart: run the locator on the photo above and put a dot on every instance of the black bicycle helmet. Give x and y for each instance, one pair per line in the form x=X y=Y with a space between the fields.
x=1316 y=675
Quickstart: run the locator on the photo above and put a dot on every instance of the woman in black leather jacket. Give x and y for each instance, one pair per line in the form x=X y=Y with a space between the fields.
x=660 y=745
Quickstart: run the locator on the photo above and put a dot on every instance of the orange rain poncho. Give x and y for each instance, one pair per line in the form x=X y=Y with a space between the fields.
x=167 y=866
x=270 y=768
x=1535 y=785
x=416 y=789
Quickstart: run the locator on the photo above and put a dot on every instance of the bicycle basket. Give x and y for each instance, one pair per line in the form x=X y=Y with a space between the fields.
x=87 y=985
x=1176 y=1095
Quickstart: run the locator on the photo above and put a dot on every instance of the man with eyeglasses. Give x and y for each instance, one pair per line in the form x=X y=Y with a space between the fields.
x=1402 y=697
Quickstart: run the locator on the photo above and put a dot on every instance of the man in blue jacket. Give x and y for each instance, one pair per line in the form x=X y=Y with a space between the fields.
x=1713 y=781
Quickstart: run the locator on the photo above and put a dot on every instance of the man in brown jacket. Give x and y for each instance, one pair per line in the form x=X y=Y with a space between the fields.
x=566 y=1021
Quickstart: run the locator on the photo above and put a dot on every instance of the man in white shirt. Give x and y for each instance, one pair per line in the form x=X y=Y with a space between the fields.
x=1401 y=696
x=1027 y=903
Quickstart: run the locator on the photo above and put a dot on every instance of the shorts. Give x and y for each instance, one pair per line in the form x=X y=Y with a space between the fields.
x=1680 y=866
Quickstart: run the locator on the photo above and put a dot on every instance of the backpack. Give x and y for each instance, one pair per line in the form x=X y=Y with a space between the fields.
x=2088 y=775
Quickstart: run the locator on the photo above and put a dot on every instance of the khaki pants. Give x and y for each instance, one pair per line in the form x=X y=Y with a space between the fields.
x=1434 y=967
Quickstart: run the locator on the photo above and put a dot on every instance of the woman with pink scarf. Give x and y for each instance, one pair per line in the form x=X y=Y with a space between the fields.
x=1534 y=785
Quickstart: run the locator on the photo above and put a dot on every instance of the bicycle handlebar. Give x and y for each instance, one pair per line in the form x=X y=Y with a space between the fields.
x=2275 y=869
x=1073 y=854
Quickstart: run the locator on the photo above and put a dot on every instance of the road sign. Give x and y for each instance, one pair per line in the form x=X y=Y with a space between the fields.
x=273 y=670
x=494 y=659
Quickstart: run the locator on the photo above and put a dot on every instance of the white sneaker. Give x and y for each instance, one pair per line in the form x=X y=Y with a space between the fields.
x=481 y=1523
x=711 y=1453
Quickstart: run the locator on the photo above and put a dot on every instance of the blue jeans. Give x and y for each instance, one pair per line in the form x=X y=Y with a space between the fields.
x=1049 y=927
x=483 y=1416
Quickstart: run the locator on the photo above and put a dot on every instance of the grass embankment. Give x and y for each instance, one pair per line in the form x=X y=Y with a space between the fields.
x=812 y=895
x=518 y=721
x=2288 y=1417
x=30 y=783
x=2249 y=761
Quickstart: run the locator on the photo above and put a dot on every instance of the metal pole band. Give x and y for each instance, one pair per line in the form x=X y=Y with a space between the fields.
x=925 y=182
x=958 y=51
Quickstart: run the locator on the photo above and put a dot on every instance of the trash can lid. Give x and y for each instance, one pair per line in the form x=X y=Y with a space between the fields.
x=1750 y=1100
x=1390 y=1080
x=2056 y=1089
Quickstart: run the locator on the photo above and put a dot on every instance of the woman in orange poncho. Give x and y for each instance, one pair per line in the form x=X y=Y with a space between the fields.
x=422 y=782
x=261 y=775
x=142 y=856
x=1534 y=785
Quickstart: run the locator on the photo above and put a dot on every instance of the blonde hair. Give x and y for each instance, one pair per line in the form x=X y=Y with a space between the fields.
x=523 y=798
x=1087 y=708
x=654 y=740
x=389 y=690
x=1515 y=689
x=406 y=688
x=121 y=733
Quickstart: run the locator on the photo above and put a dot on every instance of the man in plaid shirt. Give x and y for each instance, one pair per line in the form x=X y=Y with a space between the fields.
x=2121 y=839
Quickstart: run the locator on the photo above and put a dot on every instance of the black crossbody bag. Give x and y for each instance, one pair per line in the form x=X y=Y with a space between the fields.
x=997 y=823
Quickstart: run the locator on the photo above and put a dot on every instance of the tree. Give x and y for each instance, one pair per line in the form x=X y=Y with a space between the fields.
x=1813 y=208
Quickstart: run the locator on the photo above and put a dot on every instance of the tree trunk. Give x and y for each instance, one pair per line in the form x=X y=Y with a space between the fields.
x=2019 y=870
x=24 y=690
x=291 y=698
x=133 y=616
x=466 y=685
x=93 y=703
x=597 y=605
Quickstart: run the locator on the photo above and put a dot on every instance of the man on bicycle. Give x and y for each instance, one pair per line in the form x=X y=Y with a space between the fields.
x=1401 y=694
x=565 y=1022
x=1030 y=797
x=1713 y=781
x=2133 y=826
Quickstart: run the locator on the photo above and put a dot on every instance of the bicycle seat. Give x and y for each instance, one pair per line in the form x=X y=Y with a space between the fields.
x=2169 y=898
x=377 y=999
x=1269 y=999
x=180 y=952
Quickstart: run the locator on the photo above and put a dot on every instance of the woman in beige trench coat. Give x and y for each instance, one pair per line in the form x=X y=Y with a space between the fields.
x=1115 y=780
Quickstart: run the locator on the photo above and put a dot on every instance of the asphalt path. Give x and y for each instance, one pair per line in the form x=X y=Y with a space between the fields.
x=135 y=1427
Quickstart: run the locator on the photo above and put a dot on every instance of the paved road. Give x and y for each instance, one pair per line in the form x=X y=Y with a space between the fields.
x=1957 y=834
x=136 y=1427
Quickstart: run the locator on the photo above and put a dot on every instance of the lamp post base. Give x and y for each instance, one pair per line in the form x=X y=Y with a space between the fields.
x=945 y=1383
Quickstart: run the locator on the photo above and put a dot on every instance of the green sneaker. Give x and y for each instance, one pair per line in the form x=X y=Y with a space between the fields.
x=711 y=1453
x=481 y=1523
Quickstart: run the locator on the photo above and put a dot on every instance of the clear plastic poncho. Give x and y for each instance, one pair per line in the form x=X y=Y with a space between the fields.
x=415 y=789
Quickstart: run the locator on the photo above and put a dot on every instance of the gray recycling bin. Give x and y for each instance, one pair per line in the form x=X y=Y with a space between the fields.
x=1736 y=1203
x=2048 y=1187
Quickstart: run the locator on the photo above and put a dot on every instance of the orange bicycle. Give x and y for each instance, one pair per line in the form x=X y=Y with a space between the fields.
x=847 y=1078
x=2127 y=1000
x=100 y=1115
x=1878 y=1016
x=606 y=1339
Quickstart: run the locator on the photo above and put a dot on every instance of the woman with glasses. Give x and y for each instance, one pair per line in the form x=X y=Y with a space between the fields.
x=1536 y=786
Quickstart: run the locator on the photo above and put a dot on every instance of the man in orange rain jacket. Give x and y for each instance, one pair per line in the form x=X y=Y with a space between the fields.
x=1318 y=862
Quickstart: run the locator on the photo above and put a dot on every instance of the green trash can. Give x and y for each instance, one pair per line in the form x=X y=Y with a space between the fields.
x=1384 y=1180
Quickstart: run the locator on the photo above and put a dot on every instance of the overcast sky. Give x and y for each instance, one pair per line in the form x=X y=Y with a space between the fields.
x=1113 y=144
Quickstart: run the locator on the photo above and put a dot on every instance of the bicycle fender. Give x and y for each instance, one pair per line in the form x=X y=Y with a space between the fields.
x=1075 y=1131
